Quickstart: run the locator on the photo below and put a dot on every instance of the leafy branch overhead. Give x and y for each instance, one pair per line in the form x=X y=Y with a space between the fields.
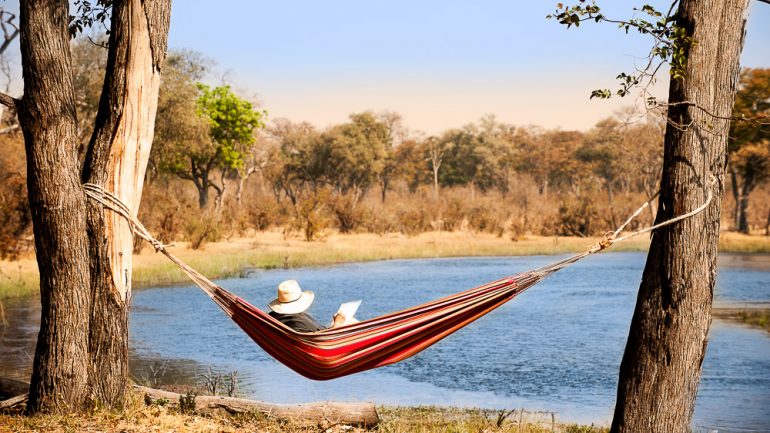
x=88 y=13
x=672 y=41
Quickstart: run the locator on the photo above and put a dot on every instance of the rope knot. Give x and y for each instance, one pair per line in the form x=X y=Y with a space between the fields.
x=157 y=245
x=607 y=240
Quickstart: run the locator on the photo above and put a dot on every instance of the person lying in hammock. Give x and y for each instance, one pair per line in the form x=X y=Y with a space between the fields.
x=289 y=308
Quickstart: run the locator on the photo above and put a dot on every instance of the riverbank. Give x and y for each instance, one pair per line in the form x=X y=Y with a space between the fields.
x=138 y=417
x=268 y=250
x=753 y=317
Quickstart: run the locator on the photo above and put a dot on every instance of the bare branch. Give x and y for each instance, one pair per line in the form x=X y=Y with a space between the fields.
x=8 y=100
x=755 y=119
x=9 y=129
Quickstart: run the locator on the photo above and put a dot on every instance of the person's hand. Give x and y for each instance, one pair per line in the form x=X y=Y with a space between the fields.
x=339 y=320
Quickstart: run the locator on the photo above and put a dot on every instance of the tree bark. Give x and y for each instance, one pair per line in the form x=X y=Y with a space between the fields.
x=743 y=205
x=661 y=366
x=84 y=254
x=47 y=115
x=117 y=159
x=735 y=188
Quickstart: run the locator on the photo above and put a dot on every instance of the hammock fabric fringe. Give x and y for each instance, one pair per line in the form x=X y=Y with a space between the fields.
x=372 y=343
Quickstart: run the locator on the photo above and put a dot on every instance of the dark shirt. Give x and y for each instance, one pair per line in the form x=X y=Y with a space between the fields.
x=301 y=322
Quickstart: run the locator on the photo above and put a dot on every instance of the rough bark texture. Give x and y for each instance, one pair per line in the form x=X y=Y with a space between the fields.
x=117 y=159
x=661 y=366
x=356 y=414
x=47 y=116
x=84 y=255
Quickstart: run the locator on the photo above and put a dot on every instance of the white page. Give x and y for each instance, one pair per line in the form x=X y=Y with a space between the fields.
x=348 y=309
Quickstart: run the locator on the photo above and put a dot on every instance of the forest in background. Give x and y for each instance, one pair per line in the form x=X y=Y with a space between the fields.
x=221 y=167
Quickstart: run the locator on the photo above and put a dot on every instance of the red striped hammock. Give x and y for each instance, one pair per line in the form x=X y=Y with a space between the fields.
x=372 y=343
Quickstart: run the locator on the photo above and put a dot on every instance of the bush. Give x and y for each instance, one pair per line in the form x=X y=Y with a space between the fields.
x=577 y=218
x=413 y=221
x=199 y=228
x=345 y=208
x=264 y=214
x=310 y=215
x=15 y=216
x=453 y=214
x=487 y=219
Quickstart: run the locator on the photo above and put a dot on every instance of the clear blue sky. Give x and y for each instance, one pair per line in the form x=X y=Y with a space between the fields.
x=440 y=64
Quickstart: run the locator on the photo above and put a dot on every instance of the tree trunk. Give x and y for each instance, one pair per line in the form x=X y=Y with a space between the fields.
x=736 y=197
x=203 y=194
x=767 y=223
x=57 y=202
x=743 y=206
x=435 y=182
x=661 y=366
x=83 y=254
x=117 y=159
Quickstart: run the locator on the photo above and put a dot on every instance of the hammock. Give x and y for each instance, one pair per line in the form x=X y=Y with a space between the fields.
x=337 y=352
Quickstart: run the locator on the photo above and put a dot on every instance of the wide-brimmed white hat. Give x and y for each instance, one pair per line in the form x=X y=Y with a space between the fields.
x=291 y=299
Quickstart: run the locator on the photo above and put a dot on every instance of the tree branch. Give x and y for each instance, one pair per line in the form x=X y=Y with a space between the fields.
x=8 y=100
x=8 y=129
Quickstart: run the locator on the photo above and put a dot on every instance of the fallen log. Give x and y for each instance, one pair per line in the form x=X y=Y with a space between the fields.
x=322 y=413
x=13 y=402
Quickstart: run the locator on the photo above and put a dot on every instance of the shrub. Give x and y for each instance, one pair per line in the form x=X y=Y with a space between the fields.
x=15 y=216
x=263 y=214
x=453 y=214
x=310 y=215
x=577 y=218
x=345 y=208
x=487 y=219
x=413 y=220
x=200 y=228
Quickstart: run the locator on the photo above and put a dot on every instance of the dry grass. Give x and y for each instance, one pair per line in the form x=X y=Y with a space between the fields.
x=137 y=417
x=754 y=317
x=272 y=250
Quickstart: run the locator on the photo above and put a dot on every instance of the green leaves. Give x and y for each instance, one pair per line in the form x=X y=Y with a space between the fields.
x=671 y=42
x=570 y=16
x=232 y=121
x=88 y=13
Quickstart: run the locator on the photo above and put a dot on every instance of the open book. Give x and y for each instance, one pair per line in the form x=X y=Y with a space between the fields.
x=348 y=309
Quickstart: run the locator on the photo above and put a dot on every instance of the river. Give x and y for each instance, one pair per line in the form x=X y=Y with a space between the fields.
x=556 y=347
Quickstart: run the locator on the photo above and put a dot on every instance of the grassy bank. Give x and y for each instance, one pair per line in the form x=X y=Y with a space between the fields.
x=140 y=418
x=271 y=250
x=754 y=317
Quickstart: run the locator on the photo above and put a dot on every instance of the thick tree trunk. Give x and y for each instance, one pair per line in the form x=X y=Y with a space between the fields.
x=47 y=115
x=661 y=365
x=117 y=159
x=84 y=255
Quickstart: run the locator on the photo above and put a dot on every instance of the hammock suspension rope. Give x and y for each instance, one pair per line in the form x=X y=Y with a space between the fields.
x=380 y=341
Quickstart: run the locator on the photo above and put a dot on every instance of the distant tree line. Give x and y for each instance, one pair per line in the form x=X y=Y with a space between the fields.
x=372 y=174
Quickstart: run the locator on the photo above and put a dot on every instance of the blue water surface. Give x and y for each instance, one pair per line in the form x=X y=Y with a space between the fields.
x=556 y=347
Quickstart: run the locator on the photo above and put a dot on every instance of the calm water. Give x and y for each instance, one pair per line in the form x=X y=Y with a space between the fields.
x=556 y=347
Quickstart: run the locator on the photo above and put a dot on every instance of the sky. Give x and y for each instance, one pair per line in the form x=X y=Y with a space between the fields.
x=440 y=64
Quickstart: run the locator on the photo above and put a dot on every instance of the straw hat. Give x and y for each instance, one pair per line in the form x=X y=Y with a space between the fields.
x=291 y=298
